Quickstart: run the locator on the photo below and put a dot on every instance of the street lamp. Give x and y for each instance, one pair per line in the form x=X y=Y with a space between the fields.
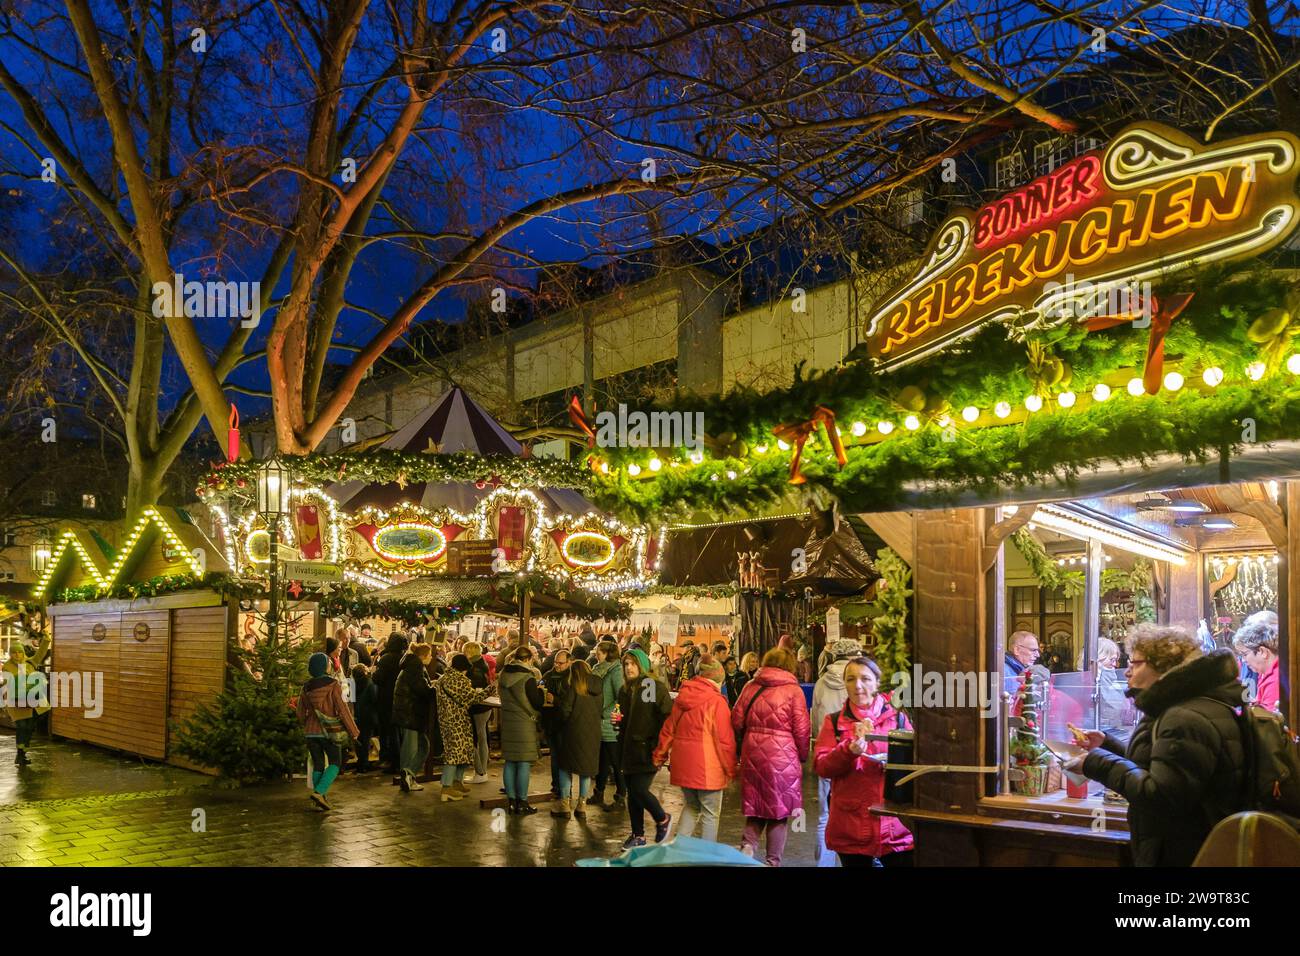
x=273 y=485
x=42 y=550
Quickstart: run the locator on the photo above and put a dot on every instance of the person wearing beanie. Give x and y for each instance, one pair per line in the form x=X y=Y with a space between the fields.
x=645 y=703
x=327 y=724
x=829 y=695
x=609 y=672
x=22 y=668
x=698 y=737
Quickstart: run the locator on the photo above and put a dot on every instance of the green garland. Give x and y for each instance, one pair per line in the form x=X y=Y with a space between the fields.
x=1048 y=573
x=224 y=584
x=889 y=624
x=1137 y=582
x=350 y=600
x=694 y=590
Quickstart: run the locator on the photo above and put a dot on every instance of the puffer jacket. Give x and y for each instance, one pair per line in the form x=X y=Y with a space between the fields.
x=521 y=703
x=577 y=717
x=23 y=682
x=699 y=738
x=645 y=704
x=610 y=674
x=411 y=696
x=385 y=678
x=323 y=694
x=858 y=782
x=829 y=694
x=1183 y=769
x=776 y=743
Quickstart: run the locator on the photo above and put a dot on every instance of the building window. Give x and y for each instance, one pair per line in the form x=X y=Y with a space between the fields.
x=911 y=207
x=1009 y=170
x=1056 y=150
x=88 y=502
x=8 y=539
x=49 y=498
x=8 y=576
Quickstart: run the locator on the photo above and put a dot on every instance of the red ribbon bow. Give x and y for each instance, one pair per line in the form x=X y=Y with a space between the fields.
x=579 y=418
x=1163 y=313
x=797 y=433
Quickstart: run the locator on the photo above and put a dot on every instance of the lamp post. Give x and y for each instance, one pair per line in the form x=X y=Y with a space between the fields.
x=273 y=485
x=42 y=550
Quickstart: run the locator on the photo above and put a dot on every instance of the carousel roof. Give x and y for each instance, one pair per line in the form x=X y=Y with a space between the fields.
x=455 y=422
x=493 y=596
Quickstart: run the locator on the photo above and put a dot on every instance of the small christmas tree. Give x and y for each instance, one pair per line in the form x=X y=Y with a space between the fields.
x=250 y=732
x=1027 y=750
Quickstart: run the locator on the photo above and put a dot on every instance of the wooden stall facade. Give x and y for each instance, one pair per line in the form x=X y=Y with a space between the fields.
x=160 y=659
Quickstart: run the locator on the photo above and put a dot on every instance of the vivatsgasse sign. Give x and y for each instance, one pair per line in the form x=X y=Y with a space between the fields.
x=1150 y=203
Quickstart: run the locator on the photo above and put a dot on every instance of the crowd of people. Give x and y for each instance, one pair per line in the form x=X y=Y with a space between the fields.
x=613 y=713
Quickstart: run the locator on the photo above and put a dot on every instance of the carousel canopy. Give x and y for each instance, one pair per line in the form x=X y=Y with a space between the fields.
x=455 y=422
x=489 y=596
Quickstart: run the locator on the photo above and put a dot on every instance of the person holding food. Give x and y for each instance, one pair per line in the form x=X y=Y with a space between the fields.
x=1182 y=770
x=853 y=764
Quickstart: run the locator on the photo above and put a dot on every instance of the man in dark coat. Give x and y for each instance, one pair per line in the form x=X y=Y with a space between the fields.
x=1184 y=767
x=385 y=678
x=362 y=646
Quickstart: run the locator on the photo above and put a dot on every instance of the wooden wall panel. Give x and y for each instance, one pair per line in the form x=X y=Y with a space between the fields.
x=198 y=664
x=141 y=716
x=949 y=604
x=93 y=657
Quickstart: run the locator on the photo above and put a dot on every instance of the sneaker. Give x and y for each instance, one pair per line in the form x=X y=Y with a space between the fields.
x=661 y=828
x=416 y=785
x=632 y=841
x=468 y=778
x=451 y=793
x=320 y=801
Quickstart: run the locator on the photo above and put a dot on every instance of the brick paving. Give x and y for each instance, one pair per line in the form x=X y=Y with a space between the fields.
x=80 y=806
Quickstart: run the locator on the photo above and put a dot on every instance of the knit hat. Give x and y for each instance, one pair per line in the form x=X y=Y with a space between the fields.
x=846 y=647
x=641 y=659
x=713 y=670
x=317 y=664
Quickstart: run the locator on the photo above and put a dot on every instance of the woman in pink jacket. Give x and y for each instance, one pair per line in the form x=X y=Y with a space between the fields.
x=846 y=758
x=771 y=715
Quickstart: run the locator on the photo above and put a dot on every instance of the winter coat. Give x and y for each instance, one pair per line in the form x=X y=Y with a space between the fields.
x=1268 y=690
x=521 y=703
x=645 y=707
x=776 y=743
x=735 y=684
x=1182 y=771
x=411 y=696
x=21 y=688
x=610 y=674
x=480 y=676
x=455 y=696
x=385 y=679
x=366 y=708
x=323 y=694
x=699 y=738
x=552 y=682
x=577 y=717
x=829 y=694
x=858 y=782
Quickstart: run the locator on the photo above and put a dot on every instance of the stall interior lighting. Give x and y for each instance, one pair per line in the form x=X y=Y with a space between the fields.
x=1077 y=526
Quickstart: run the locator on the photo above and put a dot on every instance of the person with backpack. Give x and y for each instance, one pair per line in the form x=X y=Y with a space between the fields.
x=698 y=737
x=829 y=694
x=1185 y=766
x=326 y=723
x=846 y=759
x=771 y=721
x=644 y=704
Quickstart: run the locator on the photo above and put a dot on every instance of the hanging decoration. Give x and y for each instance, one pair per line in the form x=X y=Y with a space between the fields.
x=797 y=434
x=1048 y=573
x=888 y=611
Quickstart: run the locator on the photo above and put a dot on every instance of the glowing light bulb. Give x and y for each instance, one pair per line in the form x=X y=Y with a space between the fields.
x=655 y=464
x=884 y=427
x=1100 y=392
x=1002 y=409
x=911 y=423
x=945 y=421
x=1212 y=376
x=1255 y=370
x=1293 y=364
x=860 y=428
x=782 y=444
x=1173 y=381
x=697 y=457
x=731 y=476
x=761 y=449
x=634 y=469
x=1136 y=388
x=970 y=413
x=1033 y=403
x=1066 y=399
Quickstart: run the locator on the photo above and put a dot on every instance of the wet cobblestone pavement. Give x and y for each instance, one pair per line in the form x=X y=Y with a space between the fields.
x=79 y=806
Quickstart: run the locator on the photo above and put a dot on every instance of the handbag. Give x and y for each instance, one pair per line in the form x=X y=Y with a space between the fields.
x=334 y=730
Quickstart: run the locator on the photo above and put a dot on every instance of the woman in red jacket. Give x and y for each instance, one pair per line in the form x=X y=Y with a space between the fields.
x=845 y=757
x=771 y=715
x=698 y=735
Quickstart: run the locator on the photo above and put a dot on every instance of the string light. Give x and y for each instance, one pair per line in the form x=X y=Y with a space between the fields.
x=860 y=428
x=731 y=476
x=634 y=469
x=1173 y=381
x=884 y=427
x=1100 y=392
x=697 y=457
x=911 y=423
x=761 y=449
x=1255 y=371
x=970 y=413
x=1212 y=376
x=655 y=464
x=782 y=444
x=1066 y=399
x=1293 y=363
x=66 y=540
x=1033 y=402
x=1002 y=409
x=1136 y=388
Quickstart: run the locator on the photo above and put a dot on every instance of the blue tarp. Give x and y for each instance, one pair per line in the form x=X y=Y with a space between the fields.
x=679 y=851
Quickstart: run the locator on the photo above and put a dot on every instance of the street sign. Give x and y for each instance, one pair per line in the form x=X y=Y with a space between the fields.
x=313 y=572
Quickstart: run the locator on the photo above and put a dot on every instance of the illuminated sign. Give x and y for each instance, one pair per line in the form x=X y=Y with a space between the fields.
x=258 y=546
x=587 y=549
x=1153 y=202
x=409 y=541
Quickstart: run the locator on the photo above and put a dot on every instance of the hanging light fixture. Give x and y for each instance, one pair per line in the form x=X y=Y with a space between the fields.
x=42 y=549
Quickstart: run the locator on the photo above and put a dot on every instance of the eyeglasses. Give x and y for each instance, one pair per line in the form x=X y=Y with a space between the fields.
x=1134 y=662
